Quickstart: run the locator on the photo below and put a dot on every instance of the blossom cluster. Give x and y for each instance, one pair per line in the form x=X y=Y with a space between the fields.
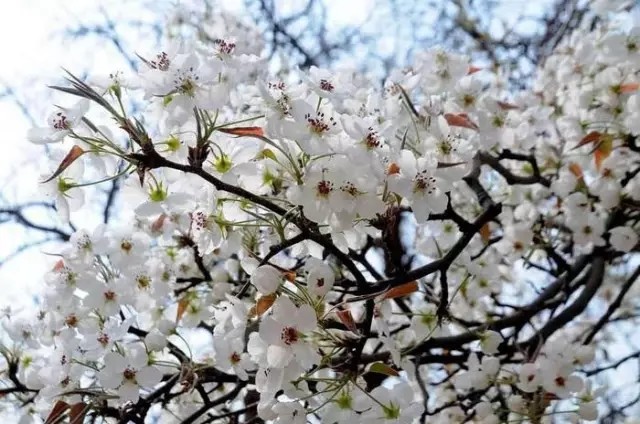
x=307 y=246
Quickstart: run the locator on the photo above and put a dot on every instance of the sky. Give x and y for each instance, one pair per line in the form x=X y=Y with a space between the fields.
x=34 y=53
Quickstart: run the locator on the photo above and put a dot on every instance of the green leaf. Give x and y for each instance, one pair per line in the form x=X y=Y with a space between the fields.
x=382 y=368
x=267 y=153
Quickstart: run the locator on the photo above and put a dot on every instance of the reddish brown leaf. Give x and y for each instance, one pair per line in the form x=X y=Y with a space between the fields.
x=576 y=170
x=592 y=137
x=629 y=87
x=182 y=308
x=460 y=120
x=473 y=70
x=507 y=106
x=346 y=318
x=262 y=305
x=73 y=154
x=244 y=131
x=402 y=290
x=59 y=408
x=78 y=412
x=485 y=233
x=290 y=276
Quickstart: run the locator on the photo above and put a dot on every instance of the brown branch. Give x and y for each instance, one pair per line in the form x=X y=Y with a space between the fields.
x=614 y=306
x=442 y=263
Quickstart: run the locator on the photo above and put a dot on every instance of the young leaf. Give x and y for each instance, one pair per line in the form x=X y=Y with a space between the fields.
x=244 y=131
x=182 y=308
x=346 y=317
x=267 y=153
x=59 y=408
x=262 y=305
x=460 y=120
x=73 y=154
x=290 y=276
x=592 y=137
x=473 y=69
x=604 y=149
x=507 y=106
x=402 y=290
x=382 y=368
x=443 y=165
x=576 y=170
x=629 y=87
x=77 y=413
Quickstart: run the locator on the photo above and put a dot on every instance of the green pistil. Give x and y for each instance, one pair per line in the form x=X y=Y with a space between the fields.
x=173 y=143
x=223 y=164
x=64 y=185
x=158 y=194
x=428 y=319
x=272 y=180
x=344 y=401
x=391 y=412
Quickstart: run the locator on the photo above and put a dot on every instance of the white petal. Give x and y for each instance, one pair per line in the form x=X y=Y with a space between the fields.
x=129 y=392
x=45 y=135
x=149 y=208
x=270 y=331
x=306 y=355
x=114 y=362
x=79 y=109
x=420 y=210
x=279 y=356
x=109 y=380
x=269 y=380
x=148 y=376
x=305 y=318
x=437 y=202
x=75 y=198
x=137 y=357
x=62 y=206
x=284 y=310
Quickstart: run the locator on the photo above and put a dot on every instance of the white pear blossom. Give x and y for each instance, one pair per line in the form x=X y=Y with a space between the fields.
x=623 y=239
x=287 y=330
x=416 y=181
x=59 y=124
x=128 y=374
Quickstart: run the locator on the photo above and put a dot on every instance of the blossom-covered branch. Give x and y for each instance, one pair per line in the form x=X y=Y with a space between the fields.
x=307 y=247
